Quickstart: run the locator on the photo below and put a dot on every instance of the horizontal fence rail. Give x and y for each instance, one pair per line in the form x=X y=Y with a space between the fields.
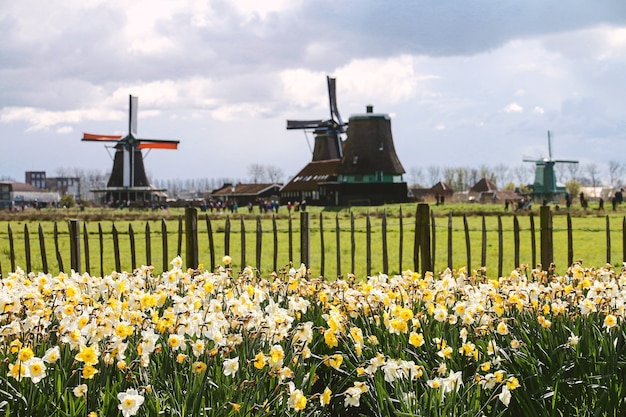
x=328 y=245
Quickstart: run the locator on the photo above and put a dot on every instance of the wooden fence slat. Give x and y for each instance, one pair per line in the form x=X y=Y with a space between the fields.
x=27 y=248
x=242 y=234
x=468 y=245
x=500 y=246
x=400 y=241
x=164 y=247
x=533 y=240
x=305 y=238
x=275 y=234
x=290 y=232
x=450 y=265
x=101 y=241
x=116 y=248
x=259 y=241
x=384 y=236
x=424 y=233
x=547 y=256
x=624 y=239
x=608 y=240
x=417 y=240
x=42 y=249
x=483 y=248
x=352 y=244
x=191 y=237
x=11 y=247
x=179 y=249
x=322 y=247
x=337 y=233
x=74 y=231
x=209 y=229
x=368 y=245
x=56 y=247
x=570 y=241
x=433 y=240
x=516 y=242
x=133 y=253
x=148 y=245
x=227 y=236
x=86 y=248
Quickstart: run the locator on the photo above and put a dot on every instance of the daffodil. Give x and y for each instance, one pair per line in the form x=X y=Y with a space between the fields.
x=130 y=401
x=231 y=366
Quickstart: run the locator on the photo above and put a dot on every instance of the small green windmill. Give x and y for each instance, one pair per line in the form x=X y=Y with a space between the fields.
x=545 y=186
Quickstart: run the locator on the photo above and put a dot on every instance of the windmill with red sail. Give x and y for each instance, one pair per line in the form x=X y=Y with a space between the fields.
x=128 y=180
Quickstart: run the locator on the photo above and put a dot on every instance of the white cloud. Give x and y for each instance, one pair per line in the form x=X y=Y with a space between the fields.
x=513 y=108
x=538 y=110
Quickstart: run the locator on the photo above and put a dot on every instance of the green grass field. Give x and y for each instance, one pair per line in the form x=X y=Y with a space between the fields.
x=589 y=238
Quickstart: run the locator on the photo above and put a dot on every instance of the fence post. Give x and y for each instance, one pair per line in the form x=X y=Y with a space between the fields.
x=423 y=213
x=547 y=250
x=74 y=245
x=191 y=237
x=305 y=238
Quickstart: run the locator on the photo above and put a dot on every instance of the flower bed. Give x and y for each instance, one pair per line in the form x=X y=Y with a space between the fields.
x=194 y=343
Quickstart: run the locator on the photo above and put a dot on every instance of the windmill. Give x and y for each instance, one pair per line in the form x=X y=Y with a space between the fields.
x=128 y=180
x=363 y=168
x=328 y=141
x=545 y=186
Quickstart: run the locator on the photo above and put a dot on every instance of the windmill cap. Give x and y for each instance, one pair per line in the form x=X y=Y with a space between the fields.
x=369 y=114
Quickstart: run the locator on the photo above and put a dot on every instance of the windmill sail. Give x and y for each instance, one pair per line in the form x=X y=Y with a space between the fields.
x=328 y=142
x=128 y=168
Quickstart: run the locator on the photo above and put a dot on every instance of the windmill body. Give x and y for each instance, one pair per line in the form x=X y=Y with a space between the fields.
x=361 y=169
x=128 y=180
x=545 y=186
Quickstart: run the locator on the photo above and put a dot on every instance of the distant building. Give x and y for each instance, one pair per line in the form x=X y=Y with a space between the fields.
x=485 y=191
x=316 y=184
x=244 y=194
x=21 y=195
x=441 y=190
x=62 y=185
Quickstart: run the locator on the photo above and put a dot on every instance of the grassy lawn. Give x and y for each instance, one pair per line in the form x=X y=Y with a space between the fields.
x=589 y=238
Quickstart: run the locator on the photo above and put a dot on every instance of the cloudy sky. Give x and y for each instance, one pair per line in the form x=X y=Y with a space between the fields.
x=466 y=83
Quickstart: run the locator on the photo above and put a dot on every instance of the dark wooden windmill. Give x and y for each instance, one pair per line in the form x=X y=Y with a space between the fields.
x=370 y=169
x=128 y=180
x=328 y=140
x=545 y=186
x=363 y=168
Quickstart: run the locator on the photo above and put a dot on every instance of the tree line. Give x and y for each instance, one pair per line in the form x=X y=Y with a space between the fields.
x=459 y=178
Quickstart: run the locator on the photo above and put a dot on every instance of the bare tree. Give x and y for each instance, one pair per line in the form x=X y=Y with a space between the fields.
x=434 y=174
x=416 y=176
x=257 y=173
x=502 y=174
x=523 y=173
x=574 y=171
x=274 y=174
x=616 y=171
x=449 y=177
x=462 y=179
x=594 y=174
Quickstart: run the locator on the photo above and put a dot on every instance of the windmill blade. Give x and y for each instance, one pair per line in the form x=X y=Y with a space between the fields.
x=101 y=138
x=332 y=98
x=159 y=145
x=303 y=124
x=566 y=161
x=132 y=115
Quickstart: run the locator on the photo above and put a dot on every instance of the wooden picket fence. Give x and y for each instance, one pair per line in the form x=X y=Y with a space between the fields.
x=422 y=253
